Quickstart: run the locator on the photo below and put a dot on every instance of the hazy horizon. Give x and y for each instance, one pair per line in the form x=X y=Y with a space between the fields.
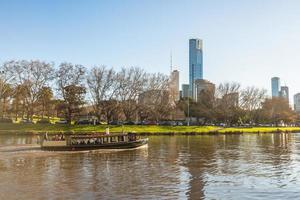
x=247 y=41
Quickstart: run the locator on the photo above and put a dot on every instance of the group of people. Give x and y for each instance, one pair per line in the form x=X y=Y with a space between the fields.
x=55 y=137
x=91 y=141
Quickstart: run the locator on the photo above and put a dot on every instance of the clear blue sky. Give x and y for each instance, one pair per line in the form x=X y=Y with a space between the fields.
x=244 y=41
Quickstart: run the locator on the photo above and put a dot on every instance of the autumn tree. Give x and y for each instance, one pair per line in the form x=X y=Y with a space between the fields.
x=45 y=101
x=277 y=110
x=33 y=76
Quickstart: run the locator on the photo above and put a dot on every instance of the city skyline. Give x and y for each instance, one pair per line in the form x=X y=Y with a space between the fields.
x=92 y=32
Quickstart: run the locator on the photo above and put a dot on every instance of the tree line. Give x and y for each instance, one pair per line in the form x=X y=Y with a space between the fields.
x=38 y=88
x=232 y=105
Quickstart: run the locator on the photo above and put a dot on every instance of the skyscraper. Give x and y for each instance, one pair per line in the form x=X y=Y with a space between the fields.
x=297 y=102
x=195 y=63
x=185 y=90
x=284 y=92
x=174 y=85
x=275 y=84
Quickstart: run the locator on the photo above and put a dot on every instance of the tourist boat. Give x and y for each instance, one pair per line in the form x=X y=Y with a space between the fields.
x=91 y=142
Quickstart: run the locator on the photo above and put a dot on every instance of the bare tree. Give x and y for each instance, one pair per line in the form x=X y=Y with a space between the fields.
x=227 y=88
x=227 y=103
x=131 y=83
x=251 y=98
x=156 y=101
x=102 y=86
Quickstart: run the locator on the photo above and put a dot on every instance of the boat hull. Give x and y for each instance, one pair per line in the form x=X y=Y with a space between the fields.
x=88 y=147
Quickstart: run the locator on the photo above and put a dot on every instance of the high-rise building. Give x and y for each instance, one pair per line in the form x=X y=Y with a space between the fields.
x=297 y=102
x=203 y=85
x=195 y=63
x=284 y=92
x=174 y=85
x=275 y=84
x=185 y=90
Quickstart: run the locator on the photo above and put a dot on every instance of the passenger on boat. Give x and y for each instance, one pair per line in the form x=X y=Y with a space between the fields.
x=107 y=131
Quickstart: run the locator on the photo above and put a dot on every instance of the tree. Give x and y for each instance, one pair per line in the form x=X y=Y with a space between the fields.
x=277 y=110
x=251 y=99
x=204 y=107
x=5 y=88
x=102 y=84
x=45 y=101
x=19 y=105
x=227 y=103
x=130 y=83
x=70 y=80
x=74 y=98
x=33 y=76
x=156 y=102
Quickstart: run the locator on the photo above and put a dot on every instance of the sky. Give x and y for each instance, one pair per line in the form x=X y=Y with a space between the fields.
x=244 y=41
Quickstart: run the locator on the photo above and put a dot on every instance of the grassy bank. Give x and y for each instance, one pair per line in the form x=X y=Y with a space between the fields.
x=54 y=128
x=147 y=130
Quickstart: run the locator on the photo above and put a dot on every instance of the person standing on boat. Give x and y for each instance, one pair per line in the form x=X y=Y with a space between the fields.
x=107 y=131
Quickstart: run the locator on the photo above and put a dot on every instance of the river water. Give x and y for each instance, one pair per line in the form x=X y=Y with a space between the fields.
x=248 y=166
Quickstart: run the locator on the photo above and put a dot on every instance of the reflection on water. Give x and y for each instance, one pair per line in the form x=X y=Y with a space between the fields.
x=248 y=166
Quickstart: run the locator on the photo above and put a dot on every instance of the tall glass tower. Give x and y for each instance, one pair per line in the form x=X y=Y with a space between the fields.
x=275 y=83
x=195 y=64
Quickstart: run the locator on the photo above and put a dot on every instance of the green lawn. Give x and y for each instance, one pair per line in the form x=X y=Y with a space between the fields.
x=260 y=129
x=101 y=128
x=151 y=129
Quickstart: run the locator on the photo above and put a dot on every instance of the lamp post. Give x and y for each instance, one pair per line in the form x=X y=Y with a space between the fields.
x=188 y=111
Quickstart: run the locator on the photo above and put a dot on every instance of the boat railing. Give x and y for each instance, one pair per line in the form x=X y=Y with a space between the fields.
x=76 y=140
x=101 y=139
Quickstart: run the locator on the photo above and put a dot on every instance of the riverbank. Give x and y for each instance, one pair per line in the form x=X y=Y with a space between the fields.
x=140 y=129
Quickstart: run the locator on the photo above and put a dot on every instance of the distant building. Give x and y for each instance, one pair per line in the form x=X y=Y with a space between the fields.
x=284 y=92
x=275 y=84
x=174 y=85
x=185 y=90
x=195 y=63
x=297 y=102
x=203 y=85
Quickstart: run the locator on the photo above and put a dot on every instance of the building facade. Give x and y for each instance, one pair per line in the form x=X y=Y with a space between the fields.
x=174 y=85
x=203 y=85
x=275 y=86
x=284 y=92
x=297 y=102
x=195 y=63
x=185 y=90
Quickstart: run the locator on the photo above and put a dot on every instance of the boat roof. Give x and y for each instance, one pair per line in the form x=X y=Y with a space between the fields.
x=95 y=136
